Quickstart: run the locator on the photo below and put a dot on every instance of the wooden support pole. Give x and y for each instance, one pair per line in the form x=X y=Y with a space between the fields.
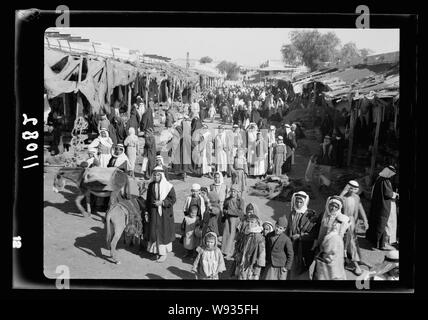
x=129 y=100
x=379 y=109
x=147 y=86
x=351 y=132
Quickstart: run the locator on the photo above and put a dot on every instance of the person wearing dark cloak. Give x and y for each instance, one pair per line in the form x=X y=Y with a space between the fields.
x=160 y=206
x=150 y=151
x=303 y=229
x=134 y=119
x=147 y=119
x=380 y=209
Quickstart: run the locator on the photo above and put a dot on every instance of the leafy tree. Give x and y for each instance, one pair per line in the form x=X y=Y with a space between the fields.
x=290 y=54
x=365 y=52
x=314 y=49
x=311 y=48
x=349 y=53
x=230 y=68
x=205 y=60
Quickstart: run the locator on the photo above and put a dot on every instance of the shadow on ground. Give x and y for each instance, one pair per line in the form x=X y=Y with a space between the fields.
x=92 y=243
x=183 y=274
x=153 y=276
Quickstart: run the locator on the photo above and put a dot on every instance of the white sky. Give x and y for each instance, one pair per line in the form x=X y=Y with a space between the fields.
x=246 y=46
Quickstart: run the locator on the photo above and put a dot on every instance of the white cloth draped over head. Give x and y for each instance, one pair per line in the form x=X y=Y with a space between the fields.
x=164 y=187
x=131 y=131
x=255 y=208
x=386 y=173
x=305 y=197
x=188 y=201
x=221 y=178
x=121 y=158
x=327 y=213
x=105 y=141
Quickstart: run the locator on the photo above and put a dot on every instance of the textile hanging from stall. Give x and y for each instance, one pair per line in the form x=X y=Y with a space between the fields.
x=57 y=82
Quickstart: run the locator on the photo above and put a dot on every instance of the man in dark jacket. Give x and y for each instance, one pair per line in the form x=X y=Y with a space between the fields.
x=279 y=252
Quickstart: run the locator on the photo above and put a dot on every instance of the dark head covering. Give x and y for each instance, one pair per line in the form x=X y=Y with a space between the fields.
x=282 y=222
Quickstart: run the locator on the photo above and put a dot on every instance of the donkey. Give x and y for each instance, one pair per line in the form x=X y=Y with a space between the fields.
x=117 y=218
x=101 y=182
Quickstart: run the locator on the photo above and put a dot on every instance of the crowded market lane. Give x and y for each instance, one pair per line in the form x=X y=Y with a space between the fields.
x=79 y=243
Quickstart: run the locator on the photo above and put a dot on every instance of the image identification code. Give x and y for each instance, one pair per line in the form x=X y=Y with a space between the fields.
x=215 y=309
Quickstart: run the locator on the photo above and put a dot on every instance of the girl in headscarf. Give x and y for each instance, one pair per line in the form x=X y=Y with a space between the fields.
x=160 y=202
x=209 y=262
x=330 y=263
x=219 y=187
x=240 y=170
x=250 y=253
x=279 y=156
x=233 y=212
x=103 y=143
x=212 y=215
x=131 y=143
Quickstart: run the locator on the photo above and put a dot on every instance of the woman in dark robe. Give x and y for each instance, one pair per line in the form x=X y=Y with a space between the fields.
x=150 y=151
x=380 y=209
x=160 y=201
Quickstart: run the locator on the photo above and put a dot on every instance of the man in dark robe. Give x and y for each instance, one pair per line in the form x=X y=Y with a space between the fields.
x=147 y=119
x=255 y=116
x=150 y=151
x=160 y=201
x=169 y=118
x=380 y=209
x=196 y=125
x=55 y=122
x=303 y=228
x=134 y=119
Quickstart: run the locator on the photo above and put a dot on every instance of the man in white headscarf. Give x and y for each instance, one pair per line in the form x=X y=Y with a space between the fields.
x=119 y=158
x=333 y=207
x=103 y=143
x=382 y=205
x=330 y=262
x=160 y=202
x=353 y=208
x=303 y=228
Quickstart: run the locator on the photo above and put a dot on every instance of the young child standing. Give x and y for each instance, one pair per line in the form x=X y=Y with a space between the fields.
x=189 y=228
x=209 y=262
x=279 y=252
x=250 y=255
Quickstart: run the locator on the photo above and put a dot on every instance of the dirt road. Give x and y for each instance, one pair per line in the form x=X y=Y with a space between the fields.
x=79 y=243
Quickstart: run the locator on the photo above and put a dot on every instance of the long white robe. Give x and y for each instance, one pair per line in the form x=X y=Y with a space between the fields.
x=252 y=137
x=220 y=153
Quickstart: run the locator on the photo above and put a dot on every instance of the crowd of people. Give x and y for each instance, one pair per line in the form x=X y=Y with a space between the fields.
x=218 y=224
